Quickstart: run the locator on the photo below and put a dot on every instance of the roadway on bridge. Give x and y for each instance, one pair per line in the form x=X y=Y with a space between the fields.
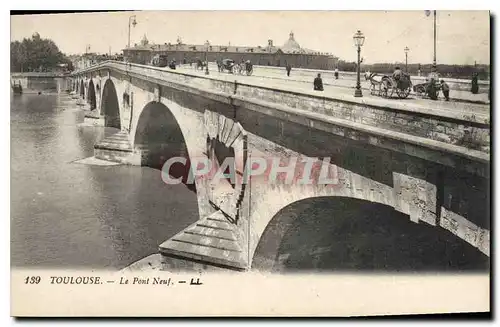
x=348 y=81
x=334 y=90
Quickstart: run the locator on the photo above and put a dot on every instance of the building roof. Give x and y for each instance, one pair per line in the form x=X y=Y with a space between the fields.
x=291 y=46
x=140 y=47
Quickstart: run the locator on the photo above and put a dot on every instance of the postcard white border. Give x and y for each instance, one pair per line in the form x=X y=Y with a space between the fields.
x=189 y=5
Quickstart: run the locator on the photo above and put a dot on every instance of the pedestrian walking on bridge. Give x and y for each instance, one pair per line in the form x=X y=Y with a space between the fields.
x=446 y=90
x=475 y=85
x=318 y=83
x=288 y=69
x=432 y=90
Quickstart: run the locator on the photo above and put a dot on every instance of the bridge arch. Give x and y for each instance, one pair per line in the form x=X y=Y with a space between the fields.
x=91 y=96
x=335 y=233
x=110 y=106
x=159 y=137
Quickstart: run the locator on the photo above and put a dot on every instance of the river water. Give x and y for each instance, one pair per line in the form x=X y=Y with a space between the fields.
x=74 y=215
x=67 y=214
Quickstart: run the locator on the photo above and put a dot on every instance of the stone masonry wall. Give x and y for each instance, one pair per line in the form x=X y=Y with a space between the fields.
x=462 y=129
x=471 y=131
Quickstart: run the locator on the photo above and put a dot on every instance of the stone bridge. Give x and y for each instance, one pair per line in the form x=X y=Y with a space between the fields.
x=430 y=164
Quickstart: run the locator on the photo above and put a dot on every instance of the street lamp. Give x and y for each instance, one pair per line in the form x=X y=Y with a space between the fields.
x=406 y=54
x=131 y=21
x=434 y=65
x=206 y=58
x=359 y=39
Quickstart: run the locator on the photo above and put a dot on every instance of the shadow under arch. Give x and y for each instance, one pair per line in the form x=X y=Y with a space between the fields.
x=159 y=137
x=91 y=96
x=341 y=234
x=82 y=89
x=110 y=107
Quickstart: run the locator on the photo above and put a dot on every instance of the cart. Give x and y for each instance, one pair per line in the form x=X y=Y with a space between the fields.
x=388 y=85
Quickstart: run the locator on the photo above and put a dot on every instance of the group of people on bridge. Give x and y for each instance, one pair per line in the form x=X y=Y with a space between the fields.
x=432 y=84
x=432 y=87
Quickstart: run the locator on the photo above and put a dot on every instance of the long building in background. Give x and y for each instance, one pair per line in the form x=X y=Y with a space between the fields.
x=270 y=55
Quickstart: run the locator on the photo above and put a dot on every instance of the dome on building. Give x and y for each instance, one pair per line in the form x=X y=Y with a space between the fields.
x=291 y=44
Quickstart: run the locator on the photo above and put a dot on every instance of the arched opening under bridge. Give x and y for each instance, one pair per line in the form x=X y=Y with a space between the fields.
x=110 y=106
x=159 y=137
x=91 y=96
x=339 y=234
x=82 y=89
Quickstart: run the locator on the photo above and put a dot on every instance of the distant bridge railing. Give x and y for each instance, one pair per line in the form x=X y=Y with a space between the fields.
x=38 y=74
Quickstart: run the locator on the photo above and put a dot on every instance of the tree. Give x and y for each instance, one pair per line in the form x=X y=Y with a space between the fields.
x=17 y=56
x=35 y=53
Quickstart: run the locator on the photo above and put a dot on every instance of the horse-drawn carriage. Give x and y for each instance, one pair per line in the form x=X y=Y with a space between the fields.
x=226 y=65
x=385 y=85
x=159 y=61
x=245 y=68
x=199 y=64
x=232 y=67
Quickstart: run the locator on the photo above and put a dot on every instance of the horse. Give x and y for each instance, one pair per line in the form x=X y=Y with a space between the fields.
x=248 y=67
x=200 y=64
x=220 y=66
x=375 y=81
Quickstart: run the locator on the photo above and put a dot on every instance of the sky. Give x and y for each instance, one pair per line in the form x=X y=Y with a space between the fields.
x=462 y=36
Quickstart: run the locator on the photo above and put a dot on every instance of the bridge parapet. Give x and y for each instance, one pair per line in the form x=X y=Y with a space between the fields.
x=37 y=74
x=464 y=127
x=328 y=75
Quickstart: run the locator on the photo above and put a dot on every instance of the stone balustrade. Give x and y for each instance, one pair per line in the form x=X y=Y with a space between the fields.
x=462 y=128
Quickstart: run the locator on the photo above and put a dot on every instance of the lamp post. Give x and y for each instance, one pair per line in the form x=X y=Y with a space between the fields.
x=206 y=58
x=406 y=54
x=434 y=65
x=359 y=39
x=131 y=21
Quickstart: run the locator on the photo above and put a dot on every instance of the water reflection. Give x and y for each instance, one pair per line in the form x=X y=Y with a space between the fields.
x=69 y=214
